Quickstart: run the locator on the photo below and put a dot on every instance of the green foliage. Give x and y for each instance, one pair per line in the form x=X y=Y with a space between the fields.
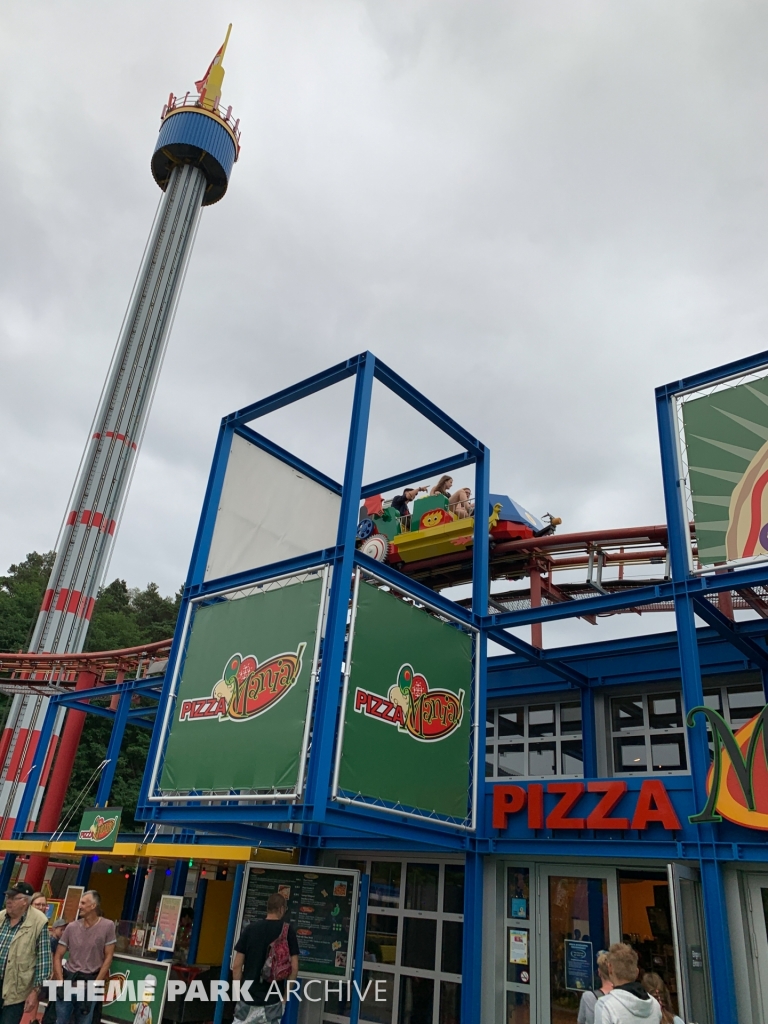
x=122 y=617
x=21 y=594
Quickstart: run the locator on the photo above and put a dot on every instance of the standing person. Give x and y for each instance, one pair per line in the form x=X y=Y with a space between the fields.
x=25 y=953
x=40 y=902
x=443 y=486
x=252 y=950
x=627 y=1002
x=588 y=1000
x=90 y=941
x=55 y=932
x=654 y=984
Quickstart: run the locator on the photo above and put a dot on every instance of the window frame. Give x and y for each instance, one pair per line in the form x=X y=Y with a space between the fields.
x=559 y=737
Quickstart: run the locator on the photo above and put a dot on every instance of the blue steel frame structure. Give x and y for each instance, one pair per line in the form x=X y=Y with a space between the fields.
x=721 y=646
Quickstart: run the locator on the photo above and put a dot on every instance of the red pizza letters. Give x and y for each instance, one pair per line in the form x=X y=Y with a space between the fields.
x=653 y=805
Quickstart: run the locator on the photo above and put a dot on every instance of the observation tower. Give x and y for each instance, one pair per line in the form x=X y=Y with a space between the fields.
x=198 y=144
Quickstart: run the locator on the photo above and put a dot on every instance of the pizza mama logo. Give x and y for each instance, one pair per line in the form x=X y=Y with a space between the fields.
x=413 y=708
x=101 y=829
x=246 y=688
x=737 y=782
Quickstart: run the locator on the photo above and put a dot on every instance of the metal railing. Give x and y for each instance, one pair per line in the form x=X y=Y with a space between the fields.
x=192 y=100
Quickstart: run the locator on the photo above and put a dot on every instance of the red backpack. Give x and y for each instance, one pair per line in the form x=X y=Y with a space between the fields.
x=277 y=966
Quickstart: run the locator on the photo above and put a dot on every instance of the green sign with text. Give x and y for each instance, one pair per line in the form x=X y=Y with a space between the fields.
x=98 y=828
x=238 y=721
x=407 y=716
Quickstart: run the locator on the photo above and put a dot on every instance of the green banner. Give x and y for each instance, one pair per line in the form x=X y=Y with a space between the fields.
x=407 y=716
x=726 y=439
x=98 y=828
x=135 y=992
x=239 y=717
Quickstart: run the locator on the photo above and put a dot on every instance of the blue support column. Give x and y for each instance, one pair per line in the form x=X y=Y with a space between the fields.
x=137 y=889
x=113 y=749
x=329 y=684
x=229 y=941
x=84 y=870
x=715 y=917
x=362 y=923
x=472 y=948
x=179 y=880
x=9 y=862
x=589 y=733
x=197 y=920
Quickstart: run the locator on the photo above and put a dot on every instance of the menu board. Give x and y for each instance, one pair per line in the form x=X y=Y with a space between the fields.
x=322 y=907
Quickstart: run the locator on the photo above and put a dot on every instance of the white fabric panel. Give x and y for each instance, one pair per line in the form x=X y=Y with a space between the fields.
x=268 y=512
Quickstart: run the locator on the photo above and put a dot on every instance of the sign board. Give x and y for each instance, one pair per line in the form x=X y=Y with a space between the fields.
x=168 y=915
x=322 y=907
x=242 y=704
x=518 y=946
x=142 y=983
x=98 y=830
x=71 y=909
x=726 y=446
x=579 y=975
x=407 y=716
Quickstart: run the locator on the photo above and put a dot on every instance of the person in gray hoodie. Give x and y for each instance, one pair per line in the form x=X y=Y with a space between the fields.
x=628 y=1002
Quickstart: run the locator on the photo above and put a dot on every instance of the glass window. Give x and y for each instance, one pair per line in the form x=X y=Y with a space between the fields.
x=630 y=755
x=385 y=884
x=668 y=753
x=665 y=711
x=541 y=720
x=489 y=723
x=517 y=893
x=627 y=713
x=379 y=1011
x=450 y=958
x=648 y=733
x=416 y=1000
x=712 y=699
x=450 y=1002
x=453 y=889
x=419 y=938
x=512 y=759
x=570 y=718
x=518 y=1008
x=421 y=886
x=381 y=939
x=542 y=759
x=514 y=746
x=572 y=757
x=511 y=722
x=744 y=702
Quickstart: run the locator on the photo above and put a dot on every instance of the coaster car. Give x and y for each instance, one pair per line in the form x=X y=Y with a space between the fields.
x=432 y=529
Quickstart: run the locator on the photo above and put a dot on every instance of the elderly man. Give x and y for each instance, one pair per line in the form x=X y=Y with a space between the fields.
x=90 y=943
x=25 y=953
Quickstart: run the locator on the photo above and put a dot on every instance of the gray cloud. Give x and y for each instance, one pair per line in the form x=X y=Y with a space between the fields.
x=535 y=212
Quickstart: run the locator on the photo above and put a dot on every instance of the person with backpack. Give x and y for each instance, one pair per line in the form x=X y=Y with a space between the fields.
x=267 y=951
x=590 y=997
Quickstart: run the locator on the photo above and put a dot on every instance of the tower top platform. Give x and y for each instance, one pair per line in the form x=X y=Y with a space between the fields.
x=197 y=129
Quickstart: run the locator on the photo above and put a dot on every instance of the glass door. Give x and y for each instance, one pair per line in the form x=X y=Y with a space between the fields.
x=690 y=943
x=580 y=919
x=757 y=902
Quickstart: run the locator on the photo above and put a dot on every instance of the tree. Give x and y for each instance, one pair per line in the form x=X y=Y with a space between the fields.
x=122 y=617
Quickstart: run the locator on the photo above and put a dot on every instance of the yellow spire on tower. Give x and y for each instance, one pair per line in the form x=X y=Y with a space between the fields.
x=209 y=86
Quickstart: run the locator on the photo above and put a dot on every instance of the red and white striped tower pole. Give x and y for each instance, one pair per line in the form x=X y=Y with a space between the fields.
x=195 y=152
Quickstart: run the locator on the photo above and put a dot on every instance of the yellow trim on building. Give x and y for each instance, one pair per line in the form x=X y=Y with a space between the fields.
x=159 y=851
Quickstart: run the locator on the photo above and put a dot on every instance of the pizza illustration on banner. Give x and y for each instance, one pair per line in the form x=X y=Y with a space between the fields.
x=100 y=829
x=423 y=713
x=246 y=688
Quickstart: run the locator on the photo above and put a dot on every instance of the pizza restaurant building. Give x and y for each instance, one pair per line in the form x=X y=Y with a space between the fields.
x=494 y=821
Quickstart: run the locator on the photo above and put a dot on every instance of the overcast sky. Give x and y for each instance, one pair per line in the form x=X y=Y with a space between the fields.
x=536 y=212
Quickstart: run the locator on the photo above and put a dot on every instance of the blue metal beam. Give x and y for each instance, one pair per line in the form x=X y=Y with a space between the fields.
x=727 y=629
x=699 y=380
x=458 y=461
x=305 y=388
x=538 y=658
x=301 y=563
x=248 y=434
x=414 y=589
x=427 y=408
